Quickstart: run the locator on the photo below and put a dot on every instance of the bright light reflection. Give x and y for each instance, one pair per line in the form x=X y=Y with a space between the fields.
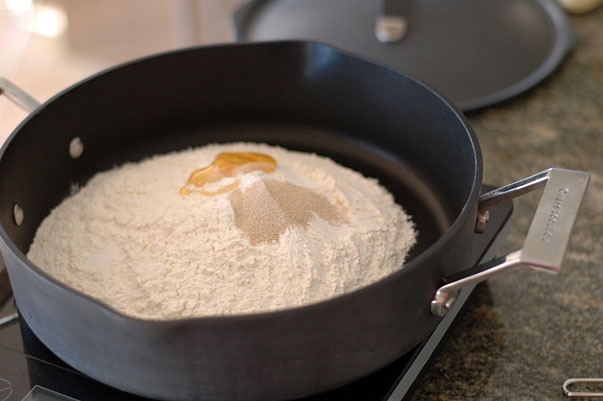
x=50 y=21
x=18 y=6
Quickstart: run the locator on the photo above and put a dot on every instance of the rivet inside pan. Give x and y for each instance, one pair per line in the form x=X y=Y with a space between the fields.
x=76 y=147
x=18 y=214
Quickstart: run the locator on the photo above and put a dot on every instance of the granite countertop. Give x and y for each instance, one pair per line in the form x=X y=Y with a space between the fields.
x=524 y=333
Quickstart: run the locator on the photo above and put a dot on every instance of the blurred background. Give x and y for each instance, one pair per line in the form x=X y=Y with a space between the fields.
x=46 y=46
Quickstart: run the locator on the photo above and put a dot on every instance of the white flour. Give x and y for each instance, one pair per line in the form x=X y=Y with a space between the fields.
x=131 y=240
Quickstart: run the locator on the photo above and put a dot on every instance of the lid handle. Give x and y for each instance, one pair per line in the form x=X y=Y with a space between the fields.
x=391 y=23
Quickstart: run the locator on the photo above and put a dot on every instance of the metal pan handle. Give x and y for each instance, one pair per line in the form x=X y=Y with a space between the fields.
x=548 y=235
x=18 y=96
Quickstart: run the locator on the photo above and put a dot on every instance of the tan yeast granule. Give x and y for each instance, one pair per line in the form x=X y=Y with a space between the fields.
x=268 y=208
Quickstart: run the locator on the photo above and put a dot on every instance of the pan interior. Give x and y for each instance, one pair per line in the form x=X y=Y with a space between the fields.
x=414 y=192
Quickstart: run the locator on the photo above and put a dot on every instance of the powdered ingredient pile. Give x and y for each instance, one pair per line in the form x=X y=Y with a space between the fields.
x=308 y=231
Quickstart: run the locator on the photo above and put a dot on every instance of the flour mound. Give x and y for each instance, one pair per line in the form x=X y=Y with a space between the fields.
x=130 y=239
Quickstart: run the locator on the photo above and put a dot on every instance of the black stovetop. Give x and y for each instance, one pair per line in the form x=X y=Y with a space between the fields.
x=29 y=371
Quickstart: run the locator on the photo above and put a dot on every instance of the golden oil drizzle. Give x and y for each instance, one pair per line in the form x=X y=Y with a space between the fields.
x=227 y=164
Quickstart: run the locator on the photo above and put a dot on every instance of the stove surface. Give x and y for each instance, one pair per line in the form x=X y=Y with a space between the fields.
x=30 y=372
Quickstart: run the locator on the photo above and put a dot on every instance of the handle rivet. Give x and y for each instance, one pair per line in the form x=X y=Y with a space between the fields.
x=449 y=303
x=18 y=214
x=76 y=147
x=482 y=220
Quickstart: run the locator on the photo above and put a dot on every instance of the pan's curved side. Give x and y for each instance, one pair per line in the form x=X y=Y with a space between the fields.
x=300 y=95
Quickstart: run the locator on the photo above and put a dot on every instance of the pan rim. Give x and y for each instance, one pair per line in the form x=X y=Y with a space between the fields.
x=217 y=320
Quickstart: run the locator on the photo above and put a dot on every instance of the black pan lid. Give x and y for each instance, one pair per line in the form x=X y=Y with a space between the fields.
x=477 y=52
